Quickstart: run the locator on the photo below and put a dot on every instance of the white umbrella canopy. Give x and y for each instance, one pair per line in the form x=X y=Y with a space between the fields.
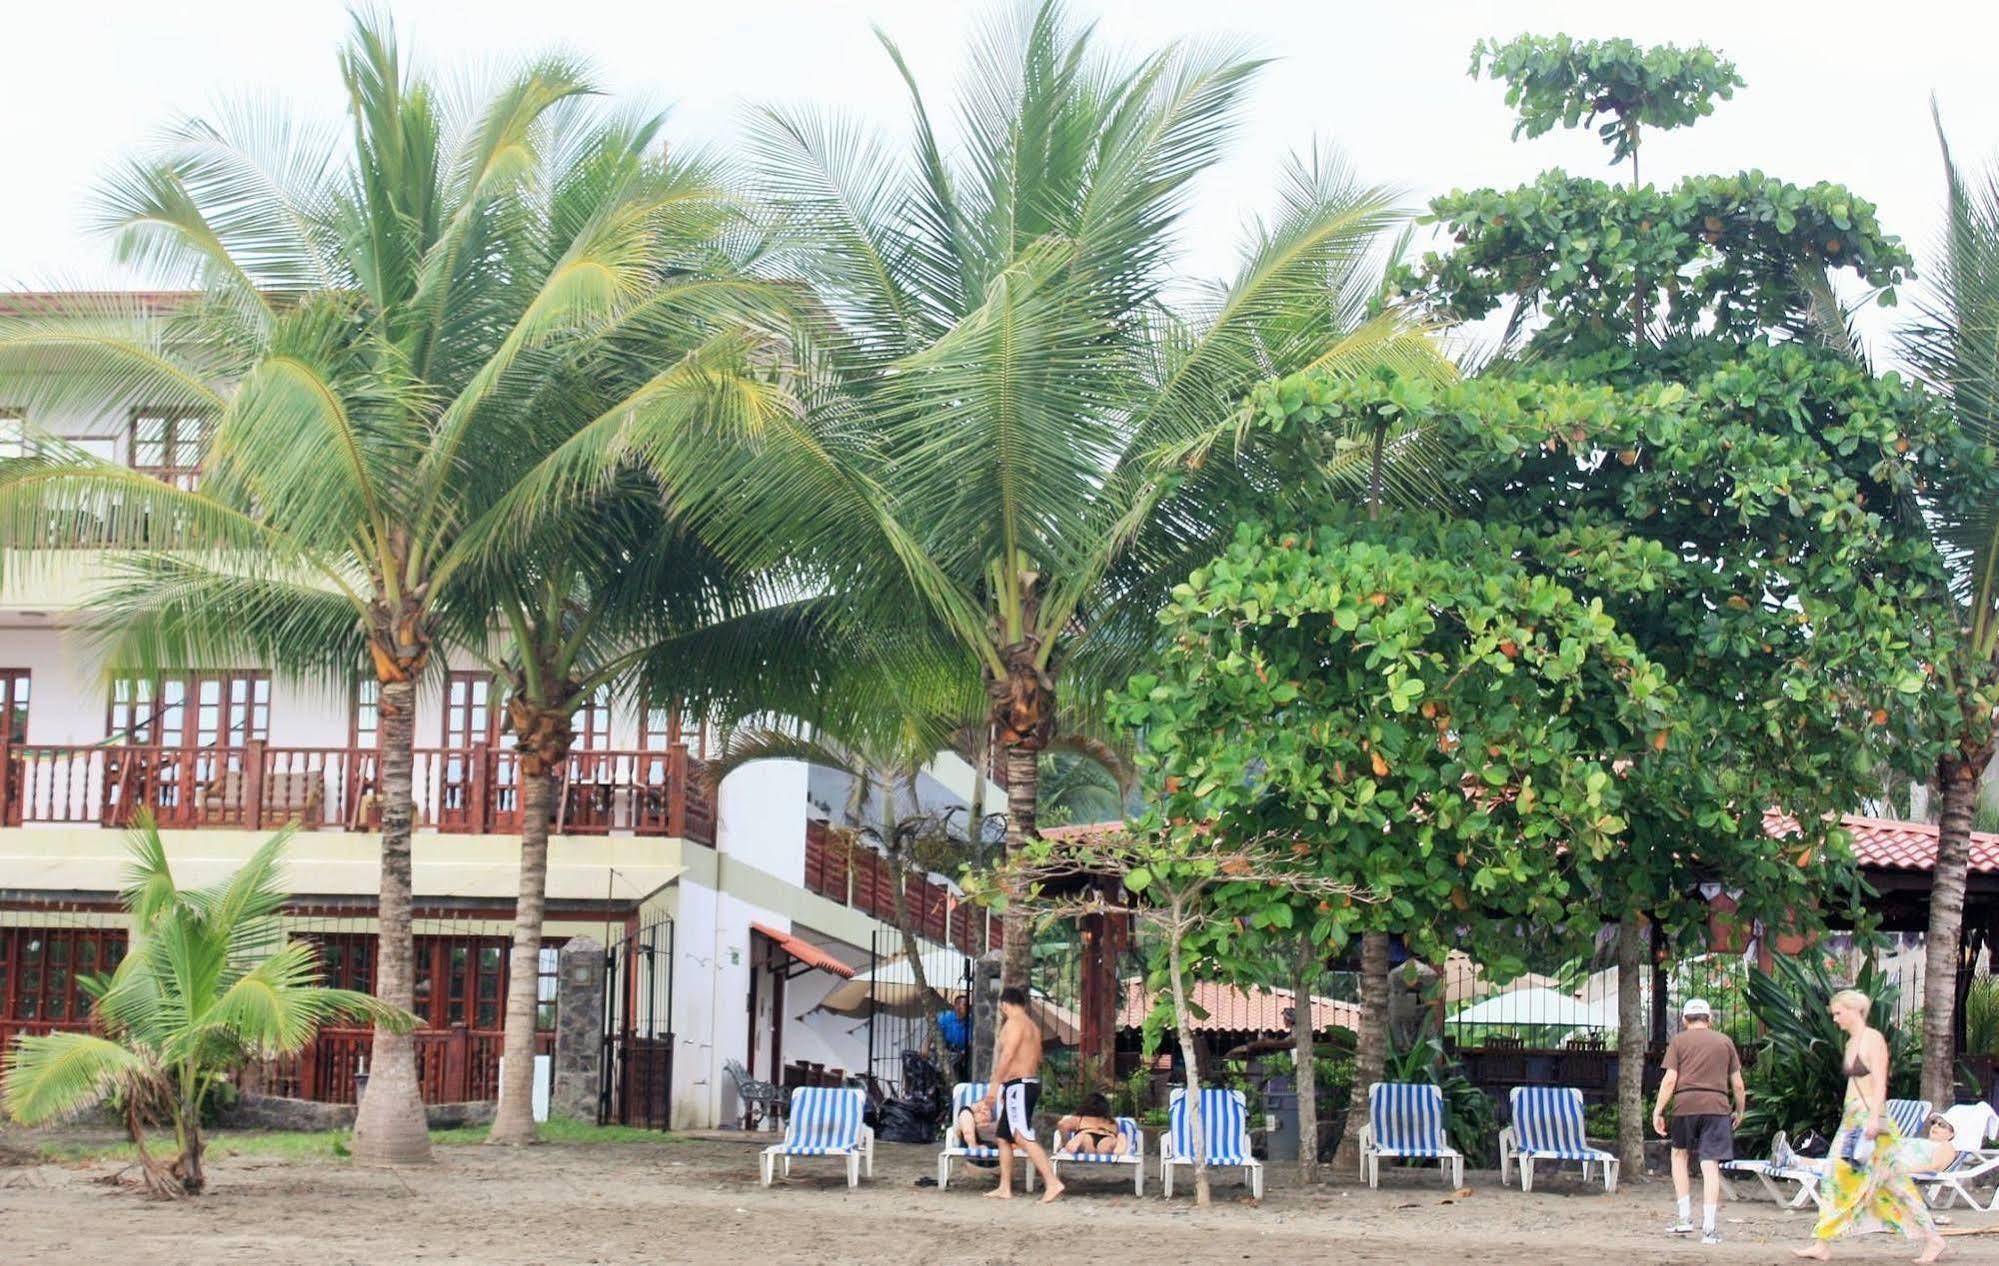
x=892 y=988
x=1533 y=1007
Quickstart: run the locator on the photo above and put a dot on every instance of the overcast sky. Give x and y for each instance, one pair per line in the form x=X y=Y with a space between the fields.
x=1838 y=90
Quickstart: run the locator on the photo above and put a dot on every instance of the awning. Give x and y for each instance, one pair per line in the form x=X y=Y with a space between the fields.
x=805 y=951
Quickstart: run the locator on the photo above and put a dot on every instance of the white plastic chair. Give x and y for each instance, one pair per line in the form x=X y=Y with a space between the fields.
x=1548 y=1126
x=964 y=1095
x=825 y=1121
x=1405 y=1120
x=1225 y=1125
x=1134 y=1154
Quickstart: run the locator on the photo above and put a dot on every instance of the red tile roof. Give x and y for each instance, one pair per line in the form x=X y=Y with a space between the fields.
x=805 y=951
x=1234 y=1010
x=1885 y=844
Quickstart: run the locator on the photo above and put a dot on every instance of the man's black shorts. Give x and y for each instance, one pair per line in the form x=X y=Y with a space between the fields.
x=1014 y=1122
x=1709 y=1136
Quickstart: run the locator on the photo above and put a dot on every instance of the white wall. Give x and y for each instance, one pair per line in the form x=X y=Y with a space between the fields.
x=761 y=818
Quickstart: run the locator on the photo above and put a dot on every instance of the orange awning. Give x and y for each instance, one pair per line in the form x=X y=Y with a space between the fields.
x=805 y=952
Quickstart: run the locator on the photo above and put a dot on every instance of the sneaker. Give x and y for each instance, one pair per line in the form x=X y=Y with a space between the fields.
x=1710 y=1237
x=1781 y=1154
x=1681 y=1227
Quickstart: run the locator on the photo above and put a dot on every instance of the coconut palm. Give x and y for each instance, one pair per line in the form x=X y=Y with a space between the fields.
x=997 y=332
x=208 y=985
x=1954 y=347
x=374 y=318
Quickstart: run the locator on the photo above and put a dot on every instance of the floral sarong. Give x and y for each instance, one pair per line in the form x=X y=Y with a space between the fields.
x=1879 y=1194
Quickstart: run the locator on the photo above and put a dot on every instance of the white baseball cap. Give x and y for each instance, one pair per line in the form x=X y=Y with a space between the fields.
x=1697 y=1007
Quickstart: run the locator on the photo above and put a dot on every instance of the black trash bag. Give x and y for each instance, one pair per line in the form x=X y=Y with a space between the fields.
x=920 y=1074
x=1813 y=1145
x=902 y=1123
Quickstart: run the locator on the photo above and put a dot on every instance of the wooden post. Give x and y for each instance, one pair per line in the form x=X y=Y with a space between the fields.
x=480 y=765
x=676 y=790
x=253 y=784
x=7 y=805
x=456 y=1085
x=188 y=791
x=1099 y=990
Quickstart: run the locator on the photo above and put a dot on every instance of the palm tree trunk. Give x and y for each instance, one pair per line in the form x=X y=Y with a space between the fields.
x=1633 y=1037
x=1023 y=786
x=513 y=1121
x=1371 y=1053
x=1304 y=976
x=1958 y=778
x=1183 y=1021
x=390 y=1127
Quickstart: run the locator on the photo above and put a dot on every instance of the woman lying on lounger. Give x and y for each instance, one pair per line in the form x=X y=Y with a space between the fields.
x=1092 y=1130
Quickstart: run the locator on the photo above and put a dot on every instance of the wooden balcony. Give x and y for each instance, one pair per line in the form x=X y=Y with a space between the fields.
x=258 y=787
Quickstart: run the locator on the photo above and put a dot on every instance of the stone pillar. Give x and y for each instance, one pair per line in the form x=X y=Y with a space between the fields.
x=985 y=1015
x=579 y=1030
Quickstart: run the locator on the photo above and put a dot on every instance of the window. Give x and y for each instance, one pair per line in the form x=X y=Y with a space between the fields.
x=592 y=722
x=40 y=969
x=364 y=728
x=346 y=960
x=229 y=709
x=13 y=435
x=14 y=703
x=659 y=728
x=471 y=717
x=166 y=444
x=548 y=976
x=462 y=980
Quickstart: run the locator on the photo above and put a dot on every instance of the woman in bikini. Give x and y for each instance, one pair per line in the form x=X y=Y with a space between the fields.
x=1092 y=1130
x=1863 y=1189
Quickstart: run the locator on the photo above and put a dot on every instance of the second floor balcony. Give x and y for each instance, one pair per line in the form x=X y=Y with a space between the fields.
x=471 y=790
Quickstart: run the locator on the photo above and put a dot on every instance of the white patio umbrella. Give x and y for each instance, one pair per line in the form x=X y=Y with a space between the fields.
x=1533 y=1007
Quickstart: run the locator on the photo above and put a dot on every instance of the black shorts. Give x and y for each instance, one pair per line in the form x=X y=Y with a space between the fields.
x=1710 y=1136
x=1014 y=1122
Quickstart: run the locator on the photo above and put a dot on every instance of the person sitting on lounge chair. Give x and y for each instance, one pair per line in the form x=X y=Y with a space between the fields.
x=975 y=1128
x=1934 y=1152
x=1092 y=1130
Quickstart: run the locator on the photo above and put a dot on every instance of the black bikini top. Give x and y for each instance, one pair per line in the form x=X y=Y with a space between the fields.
x=1856 y=1069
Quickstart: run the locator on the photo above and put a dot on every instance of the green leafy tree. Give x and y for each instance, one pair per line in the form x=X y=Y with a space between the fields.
x=1424 y=717
x=1761 y=542
x=1953 y=345
x=374 y=320
x=209 y=985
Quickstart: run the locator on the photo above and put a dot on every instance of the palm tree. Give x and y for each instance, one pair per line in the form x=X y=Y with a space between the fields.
x=1001 y=330
x=209 y=985
x=373 y=322
x=1954 y=347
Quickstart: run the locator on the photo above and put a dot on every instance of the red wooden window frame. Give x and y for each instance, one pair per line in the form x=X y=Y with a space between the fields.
x=591 y=722
x=39 y=967
x=210 y=709
x=14 y=698
x=364 y=715
x=471 y=710
x=167 y=444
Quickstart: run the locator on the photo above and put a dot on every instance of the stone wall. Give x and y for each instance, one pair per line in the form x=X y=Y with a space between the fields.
x=271 y=1112
x=579 y=1030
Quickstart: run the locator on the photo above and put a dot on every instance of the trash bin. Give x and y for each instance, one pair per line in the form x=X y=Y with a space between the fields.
x=1280 y=1107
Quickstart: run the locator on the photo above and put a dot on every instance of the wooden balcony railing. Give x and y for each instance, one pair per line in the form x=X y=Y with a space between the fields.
x=465 y=791
x=852 y=873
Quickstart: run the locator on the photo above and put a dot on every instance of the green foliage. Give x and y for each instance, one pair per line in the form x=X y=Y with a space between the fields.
x=1470 y=1118
x=210 y=983
x=1600 y=1120
x=1557 y=81
x=1981 y=1016
x=1798 y=1080
x=1722 y=255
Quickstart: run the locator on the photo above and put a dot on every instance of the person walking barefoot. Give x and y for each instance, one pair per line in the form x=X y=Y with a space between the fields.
x=1862 y=1189
x=1016 y=1088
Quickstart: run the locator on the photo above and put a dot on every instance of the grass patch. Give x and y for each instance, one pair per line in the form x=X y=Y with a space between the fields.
x=333 y=1144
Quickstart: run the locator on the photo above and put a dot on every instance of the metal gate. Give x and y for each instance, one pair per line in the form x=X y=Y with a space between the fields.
x=904 y=1024
x=636 y=1076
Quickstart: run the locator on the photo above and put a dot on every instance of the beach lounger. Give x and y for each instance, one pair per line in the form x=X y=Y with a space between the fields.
x=1134 y=1154
x=1405 y=1120
x=1224 y=1125
x=964 y=1095
x=825 y=1121
x=1907 y=1114
x=1548 y=1126
x=1975 y=1124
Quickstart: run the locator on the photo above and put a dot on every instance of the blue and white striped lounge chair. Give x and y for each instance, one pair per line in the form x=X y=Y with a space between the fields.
x=1548 y=1126
x=964 y=1095
x=1405 y=1120
x=825 y=1121
x=1907 y=1114
x=1134 y=1154
x=1224 y=1126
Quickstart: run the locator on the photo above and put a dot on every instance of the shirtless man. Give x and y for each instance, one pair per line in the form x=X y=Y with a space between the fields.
x=1015 y=1090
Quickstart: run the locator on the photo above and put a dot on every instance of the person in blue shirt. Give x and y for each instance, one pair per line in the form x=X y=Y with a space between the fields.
x=955 y=1027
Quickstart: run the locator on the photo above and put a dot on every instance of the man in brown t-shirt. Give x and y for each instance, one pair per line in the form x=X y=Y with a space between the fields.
x=1703 y=1074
